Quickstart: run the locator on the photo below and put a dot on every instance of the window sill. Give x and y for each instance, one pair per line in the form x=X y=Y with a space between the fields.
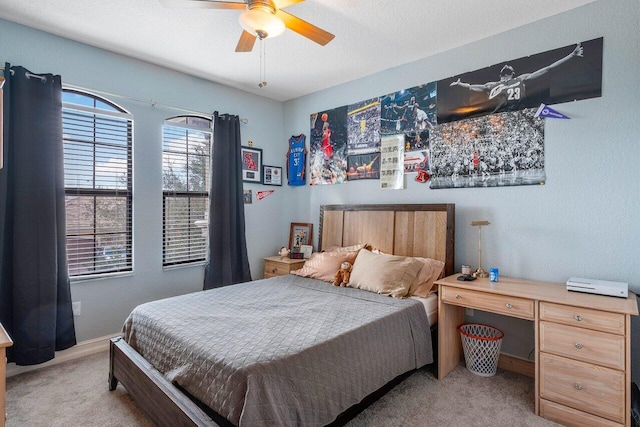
x=105 y=276
x=186 y=264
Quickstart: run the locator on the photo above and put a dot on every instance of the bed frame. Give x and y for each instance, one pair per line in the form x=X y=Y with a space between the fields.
x=425 y=230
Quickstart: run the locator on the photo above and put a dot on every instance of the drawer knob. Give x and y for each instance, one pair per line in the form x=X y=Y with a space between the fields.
x=274 y=270
x=577 y=387
x=458 y=296
x=578 y=317
x=509 y=306
x=578 y=346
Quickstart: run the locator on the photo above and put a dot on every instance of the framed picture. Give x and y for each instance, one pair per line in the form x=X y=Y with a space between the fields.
x=307 y=250
x=248 y=197
x=300 y=234
x=271 y=175
x=251 y=164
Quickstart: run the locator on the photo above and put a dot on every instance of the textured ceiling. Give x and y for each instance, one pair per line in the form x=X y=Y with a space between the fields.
x=371 y=35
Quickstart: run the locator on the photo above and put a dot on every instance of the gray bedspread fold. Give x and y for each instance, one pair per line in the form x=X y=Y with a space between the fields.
x=282 y=351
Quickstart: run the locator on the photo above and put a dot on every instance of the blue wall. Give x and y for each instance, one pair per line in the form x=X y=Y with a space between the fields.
x=584 y=221
x=107 y=302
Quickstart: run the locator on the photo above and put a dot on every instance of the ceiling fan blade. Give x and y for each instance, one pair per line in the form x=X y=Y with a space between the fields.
x=304 y=28
x=246 y=42
x=284 y=3
x=204 y=4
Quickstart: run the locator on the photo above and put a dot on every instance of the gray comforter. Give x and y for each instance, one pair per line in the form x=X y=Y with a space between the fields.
x=281 y=351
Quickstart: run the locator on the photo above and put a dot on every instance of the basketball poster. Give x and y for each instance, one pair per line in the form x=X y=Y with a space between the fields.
x=409 y=110
x=497 y=150
x=565 y=74
x=363 y=166
x=328 y=147
x=364 y=127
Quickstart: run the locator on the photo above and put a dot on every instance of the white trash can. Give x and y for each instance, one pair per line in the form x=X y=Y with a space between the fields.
x=481 y=345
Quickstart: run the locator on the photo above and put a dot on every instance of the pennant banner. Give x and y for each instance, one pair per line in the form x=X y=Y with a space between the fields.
x=547 y=112
x=262 y=194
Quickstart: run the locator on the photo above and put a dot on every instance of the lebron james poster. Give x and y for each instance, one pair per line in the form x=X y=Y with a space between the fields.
x=566 y=74
x=409 y=110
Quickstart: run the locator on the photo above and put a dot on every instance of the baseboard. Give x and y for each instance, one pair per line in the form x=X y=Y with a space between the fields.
x=517 y=365
x=81 y=349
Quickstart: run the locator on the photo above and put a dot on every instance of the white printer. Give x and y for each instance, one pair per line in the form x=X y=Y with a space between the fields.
x=600 y=287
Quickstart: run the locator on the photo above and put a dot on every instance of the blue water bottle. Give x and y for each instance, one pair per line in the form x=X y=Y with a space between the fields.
x=493 y=274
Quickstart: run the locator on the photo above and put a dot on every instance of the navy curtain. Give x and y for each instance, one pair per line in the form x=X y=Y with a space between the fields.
x=228 y=259
x=35 y=296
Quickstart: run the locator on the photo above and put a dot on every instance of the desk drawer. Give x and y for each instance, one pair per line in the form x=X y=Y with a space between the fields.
x=503 y=304
x=571 y=417
x=583 y=386
x=583 y=344
x=583 y=317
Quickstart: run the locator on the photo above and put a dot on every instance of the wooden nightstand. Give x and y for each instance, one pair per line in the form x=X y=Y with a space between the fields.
x=277 y=266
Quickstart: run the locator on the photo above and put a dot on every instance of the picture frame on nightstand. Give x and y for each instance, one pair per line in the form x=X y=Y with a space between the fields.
x=306 y=250
x=300 y=234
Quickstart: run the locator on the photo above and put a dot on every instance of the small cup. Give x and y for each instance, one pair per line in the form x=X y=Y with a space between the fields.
x=466 y=269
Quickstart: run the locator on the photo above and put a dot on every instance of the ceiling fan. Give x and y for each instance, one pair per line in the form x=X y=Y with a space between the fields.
x=261 y=19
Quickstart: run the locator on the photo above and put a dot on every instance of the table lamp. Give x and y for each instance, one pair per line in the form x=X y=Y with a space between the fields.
x=480 y=273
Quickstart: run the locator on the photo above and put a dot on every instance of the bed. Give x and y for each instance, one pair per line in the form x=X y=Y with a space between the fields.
x=294 y=350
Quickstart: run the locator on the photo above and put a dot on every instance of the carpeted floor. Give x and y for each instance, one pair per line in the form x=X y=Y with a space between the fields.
x=75 y=394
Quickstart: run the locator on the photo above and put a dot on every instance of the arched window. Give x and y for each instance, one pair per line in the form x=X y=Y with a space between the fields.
x=98 y=144
x=186 y=146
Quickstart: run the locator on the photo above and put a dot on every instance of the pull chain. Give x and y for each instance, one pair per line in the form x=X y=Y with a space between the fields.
x=263 y=67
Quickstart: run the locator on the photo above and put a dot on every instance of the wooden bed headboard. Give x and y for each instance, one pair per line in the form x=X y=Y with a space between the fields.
x=424 y=230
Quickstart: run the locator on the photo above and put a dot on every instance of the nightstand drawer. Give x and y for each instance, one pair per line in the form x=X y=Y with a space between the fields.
x=583 y=344
x=572 y=417
x=510 y=306
x=276 y=266
x=583 y=386
x=583 y=317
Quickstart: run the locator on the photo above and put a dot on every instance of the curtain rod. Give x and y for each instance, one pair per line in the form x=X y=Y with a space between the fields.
x=144 y=101
x=28 y=74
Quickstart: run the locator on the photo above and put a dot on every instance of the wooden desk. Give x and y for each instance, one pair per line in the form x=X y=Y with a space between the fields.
x=5 y=342
x=582 y=344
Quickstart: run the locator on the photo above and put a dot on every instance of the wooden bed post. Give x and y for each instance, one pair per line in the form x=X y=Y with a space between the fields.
x=158 y=398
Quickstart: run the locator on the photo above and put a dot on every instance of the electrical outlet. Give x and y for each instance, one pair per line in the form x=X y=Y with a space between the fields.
x=77 y=308
x=469 y=311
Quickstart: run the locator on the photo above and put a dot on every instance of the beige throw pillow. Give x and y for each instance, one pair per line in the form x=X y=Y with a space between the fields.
x=430 y=272
x=352 y=248
x=384 y=274
x=324 y=265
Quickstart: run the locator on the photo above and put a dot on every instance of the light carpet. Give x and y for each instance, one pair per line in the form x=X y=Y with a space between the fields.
x=75 y=393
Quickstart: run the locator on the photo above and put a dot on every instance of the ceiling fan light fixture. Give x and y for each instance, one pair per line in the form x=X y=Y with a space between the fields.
x=259 y=22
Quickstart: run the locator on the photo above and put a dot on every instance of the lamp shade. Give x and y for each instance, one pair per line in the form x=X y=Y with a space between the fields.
x=256 y=20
